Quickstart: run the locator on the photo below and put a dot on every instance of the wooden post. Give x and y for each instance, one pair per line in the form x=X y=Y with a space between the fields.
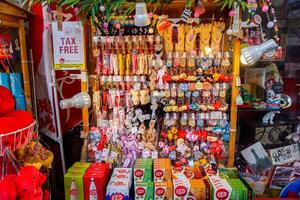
x=85 y=111
x=24 y=63
x=234 y=93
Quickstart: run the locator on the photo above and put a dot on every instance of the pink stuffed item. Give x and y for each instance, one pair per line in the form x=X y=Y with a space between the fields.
x=8 y=189
x=34 y=173
x=29 y=184
x=7 y=103
x=25 y=187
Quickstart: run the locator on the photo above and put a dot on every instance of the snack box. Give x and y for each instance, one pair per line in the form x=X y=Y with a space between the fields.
x=81 y=164
x=220 y=188
x=188 y=172
x=181 y=188
x=99 y=166
x=119 y=184
x=226 y=173
x=162 y=169
x=73 y=182
x=118 y=189
x=239 y=190
x=233 y=173
x=100 y=180
x=143 y=170
x=198 y=189
x=144 y=191
x=163 y=190
x=122 y=171
x=76 y=169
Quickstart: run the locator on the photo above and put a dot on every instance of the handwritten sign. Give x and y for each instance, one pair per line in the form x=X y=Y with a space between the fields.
x=68 y=47
x=286 y=154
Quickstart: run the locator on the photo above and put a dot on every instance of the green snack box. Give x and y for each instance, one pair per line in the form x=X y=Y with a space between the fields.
x=82 y=164
x=239 y=190
x=143 y=170
x=226 y=173
x=144 y=191
x=77 y=169
x=74 y=185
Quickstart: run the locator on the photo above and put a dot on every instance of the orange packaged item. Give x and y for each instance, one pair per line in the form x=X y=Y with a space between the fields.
x=163 y=190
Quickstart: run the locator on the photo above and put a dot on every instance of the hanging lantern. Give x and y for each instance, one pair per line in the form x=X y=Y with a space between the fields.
x=250 y=55
x=141 y=17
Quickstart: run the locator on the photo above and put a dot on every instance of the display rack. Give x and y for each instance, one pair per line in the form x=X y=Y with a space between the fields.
x=14 y=17
x=17 y=139
x=235 y=77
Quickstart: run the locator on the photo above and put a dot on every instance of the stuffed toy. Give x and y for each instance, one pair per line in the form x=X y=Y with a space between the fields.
x=8 y=189
x=34 y=154
x=12 y=120
x=29 y=184
x=7 y=101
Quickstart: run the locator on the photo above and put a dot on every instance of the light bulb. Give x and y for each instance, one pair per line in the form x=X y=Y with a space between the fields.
x=79 y=100
x=250 y=55
x=141 y=17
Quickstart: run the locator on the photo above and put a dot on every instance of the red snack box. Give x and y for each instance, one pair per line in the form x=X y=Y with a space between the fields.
x=100 y=173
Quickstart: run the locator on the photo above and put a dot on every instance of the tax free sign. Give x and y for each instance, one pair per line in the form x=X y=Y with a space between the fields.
x=68 y=46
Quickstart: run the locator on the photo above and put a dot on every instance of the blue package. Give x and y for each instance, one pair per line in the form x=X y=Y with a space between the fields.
x=20 y=102
x=4 y=80
x=16 y=84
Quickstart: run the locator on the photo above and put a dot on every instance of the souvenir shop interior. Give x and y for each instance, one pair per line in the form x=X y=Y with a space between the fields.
x=153 y=99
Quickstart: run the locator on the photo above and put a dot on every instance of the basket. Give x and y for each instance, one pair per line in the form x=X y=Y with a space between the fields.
x=16 y=139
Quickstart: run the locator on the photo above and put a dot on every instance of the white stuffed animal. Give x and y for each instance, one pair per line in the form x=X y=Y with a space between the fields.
x=269 y=117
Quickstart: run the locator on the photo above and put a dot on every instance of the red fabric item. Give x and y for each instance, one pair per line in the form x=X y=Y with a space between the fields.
x=24 y=117
x=46 y=195
x=14 y=121
x=34 y=174
x=25 y=187
x=7 y=103
x=8 y=189
x=36 y=34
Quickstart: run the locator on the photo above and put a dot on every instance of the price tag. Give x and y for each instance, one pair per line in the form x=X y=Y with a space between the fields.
x=104 y=155
x=238 y=81
x=216 y=115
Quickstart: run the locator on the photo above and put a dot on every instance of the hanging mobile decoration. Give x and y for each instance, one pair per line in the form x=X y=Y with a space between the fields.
x=199 y=9
x=186 y=14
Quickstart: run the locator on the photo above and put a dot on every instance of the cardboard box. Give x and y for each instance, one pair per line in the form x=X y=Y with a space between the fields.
x=220 y=188
x=119 y=184
x=162 y=169
x=144 y=190
x=163 y=190
x=73 y=182
x=143 y=170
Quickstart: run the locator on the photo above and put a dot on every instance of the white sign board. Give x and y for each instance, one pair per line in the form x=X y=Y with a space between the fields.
x=68 y=46
x=286 y=154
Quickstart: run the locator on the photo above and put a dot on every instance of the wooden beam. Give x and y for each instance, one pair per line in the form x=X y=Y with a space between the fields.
x=14 y=10
x=234 y=93
x=85 y=111
x=24 y=63
x=13 y=24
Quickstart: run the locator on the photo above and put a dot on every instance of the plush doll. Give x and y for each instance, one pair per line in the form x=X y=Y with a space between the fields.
x=11 y=120
x=8 y=189
x=29 y=183
x=7 y=101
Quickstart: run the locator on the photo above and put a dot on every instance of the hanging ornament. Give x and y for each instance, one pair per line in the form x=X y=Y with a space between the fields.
x=105 y=25
x=102 y=8
x=239 y=100
x=186 y=14
x=151 y=14
x=199 y=9
x=117 y=25
x=47 y=26
x=151 y=31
